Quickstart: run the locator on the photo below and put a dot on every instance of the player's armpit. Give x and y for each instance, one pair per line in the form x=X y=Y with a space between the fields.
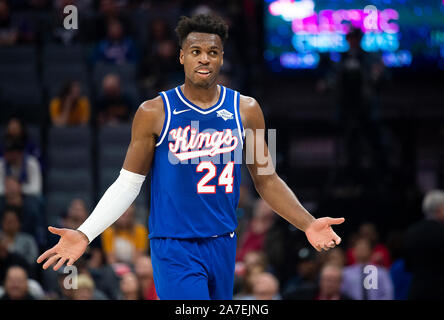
x=147 y=126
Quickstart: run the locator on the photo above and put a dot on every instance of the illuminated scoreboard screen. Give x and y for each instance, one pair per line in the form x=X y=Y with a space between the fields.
x=407 y=33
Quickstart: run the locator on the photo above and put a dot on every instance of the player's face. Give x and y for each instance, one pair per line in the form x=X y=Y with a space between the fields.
x=202 y=57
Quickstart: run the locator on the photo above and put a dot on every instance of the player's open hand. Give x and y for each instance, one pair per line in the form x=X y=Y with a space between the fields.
x=320 y=234
x=71 y=246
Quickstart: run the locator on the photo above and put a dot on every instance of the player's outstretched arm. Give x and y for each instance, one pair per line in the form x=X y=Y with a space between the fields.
x=147 y=125
x=273 y=189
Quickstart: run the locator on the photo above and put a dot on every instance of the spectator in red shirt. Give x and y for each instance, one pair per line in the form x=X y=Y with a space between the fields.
x=254 y=236
x=380 y=253
x=144 y=272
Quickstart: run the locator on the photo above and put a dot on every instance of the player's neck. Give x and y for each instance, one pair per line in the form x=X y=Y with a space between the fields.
x=203 y=97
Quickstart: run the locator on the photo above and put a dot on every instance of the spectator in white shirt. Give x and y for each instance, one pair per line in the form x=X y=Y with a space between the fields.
x=25 y=168
x=18 y=242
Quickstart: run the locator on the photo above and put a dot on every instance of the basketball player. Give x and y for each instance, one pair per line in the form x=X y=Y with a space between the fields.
x=190 y=138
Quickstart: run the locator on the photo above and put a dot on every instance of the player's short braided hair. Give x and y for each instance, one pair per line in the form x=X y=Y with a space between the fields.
x=205 y=23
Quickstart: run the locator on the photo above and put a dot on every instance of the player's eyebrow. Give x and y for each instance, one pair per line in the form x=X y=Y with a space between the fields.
x=195 y=46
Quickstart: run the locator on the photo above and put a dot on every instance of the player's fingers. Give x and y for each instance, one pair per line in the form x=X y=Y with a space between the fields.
x=335 y=220
x=70 y=261
x=331 y=244
x=46 y=254
x=60 y=263
x=337 y=239
x=325 y=247
x=50 y=261
x=55 y=230
x=318 y=248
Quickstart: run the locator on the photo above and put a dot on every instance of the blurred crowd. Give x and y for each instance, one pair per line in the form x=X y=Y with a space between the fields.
x=93 y=76
x=274 y=260
x=129 y=53
x=121 y=53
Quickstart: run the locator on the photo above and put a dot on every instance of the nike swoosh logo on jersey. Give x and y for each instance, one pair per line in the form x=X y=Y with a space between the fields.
x=177 y=112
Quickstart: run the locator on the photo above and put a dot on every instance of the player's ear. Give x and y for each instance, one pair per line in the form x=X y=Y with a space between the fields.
x=222 y=62
x=181 y=56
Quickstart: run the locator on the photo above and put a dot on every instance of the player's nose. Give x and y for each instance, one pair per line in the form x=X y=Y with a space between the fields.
x=204 y=58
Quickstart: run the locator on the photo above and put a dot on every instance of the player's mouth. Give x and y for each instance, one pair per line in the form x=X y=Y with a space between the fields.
x=203 y=72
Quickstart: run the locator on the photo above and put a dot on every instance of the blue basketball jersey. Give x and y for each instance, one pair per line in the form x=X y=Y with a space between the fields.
x=196 y=170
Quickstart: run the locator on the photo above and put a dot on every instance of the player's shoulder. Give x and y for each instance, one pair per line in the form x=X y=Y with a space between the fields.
x=250 y=111
x=154 y=105
x=244 y=100
x=247 y=102
x=150 y=115
x=150 y=109
x=248 y=107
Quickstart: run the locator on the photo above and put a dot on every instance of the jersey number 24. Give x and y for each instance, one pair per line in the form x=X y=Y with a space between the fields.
x=225 y=178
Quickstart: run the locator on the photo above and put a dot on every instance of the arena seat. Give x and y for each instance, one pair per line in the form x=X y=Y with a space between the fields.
x=69 y=136
x=72 y=180
x=55 y=88
x=70 y=168
x=35 y=134
x=61 y=73
x=18 y=55
x=126 y=72
x=54 y=54
x=23 y=74
x=113 y=142
x=58 y=201
x=25 y=100
x=69 y=157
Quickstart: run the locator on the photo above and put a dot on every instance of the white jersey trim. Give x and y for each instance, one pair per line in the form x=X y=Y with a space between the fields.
x=241 y=133
x=168 y=118
x=202 y=111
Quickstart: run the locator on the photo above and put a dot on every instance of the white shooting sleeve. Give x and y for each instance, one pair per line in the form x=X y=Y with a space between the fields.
x=114 y=202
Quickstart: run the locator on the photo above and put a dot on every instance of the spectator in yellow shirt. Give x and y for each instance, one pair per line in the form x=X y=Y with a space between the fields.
x=125 y=240
x=70 y=108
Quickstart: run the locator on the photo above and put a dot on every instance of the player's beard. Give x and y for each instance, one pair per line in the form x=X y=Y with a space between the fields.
x=204 y=83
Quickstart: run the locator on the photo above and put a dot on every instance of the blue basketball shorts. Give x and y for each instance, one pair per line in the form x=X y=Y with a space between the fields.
x=194 y=269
